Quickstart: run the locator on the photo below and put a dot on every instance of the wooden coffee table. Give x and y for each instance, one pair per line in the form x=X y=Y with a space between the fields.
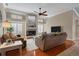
x=7 y=47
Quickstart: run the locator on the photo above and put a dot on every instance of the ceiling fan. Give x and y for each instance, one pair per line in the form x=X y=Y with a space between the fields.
x=41 y=13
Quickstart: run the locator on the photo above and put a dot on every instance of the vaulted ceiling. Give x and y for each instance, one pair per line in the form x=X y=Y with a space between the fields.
x=51 y=8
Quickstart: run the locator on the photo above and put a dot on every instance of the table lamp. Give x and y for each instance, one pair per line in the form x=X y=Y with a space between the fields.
x=6 y=24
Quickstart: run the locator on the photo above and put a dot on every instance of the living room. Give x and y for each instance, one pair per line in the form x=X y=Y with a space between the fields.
x=40 y=29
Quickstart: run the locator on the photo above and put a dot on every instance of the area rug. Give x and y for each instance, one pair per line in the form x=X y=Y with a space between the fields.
x=31 y=45
x=72 y=51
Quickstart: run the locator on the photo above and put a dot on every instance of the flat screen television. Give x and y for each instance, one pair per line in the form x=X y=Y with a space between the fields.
x=56 y=29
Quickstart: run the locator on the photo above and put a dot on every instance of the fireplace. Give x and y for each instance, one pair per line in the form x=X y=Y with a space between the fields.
x=31 y=33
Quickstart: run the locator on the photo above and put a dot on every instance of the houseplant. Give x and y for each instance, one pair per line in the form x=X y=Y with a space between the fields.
x=10 y=30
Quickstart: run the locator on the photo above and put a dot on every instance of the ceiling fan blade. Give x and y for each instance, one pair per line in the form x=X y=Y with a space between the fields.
x=35 y=11
x=44 y=14
x=44 y=11
x=41 y=13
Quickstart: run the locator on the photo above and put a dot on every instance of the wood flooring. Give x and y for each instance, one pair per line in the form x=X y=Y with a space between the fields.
x=37 y=52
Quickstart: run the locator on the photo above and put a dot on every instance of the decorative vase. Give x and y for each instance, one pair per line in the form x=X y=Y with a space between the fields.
x=9 y=41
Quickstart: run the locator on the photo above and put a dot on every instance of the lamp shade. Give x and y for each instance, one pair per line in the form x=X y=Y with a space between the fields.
x=6 y=24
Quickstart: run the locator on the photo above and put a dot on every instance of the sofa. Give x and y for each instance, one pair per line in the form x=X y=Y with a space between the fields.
x=13 y=38
x=51 y=40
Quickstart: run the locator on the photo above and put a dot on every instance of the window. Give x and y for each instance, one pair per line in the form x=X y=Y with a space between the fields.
x=17 y=27
x=0 y=16
x=40 y=28
x=1 y=29
x=17 y=20
x=40 y=24
x=14 y=16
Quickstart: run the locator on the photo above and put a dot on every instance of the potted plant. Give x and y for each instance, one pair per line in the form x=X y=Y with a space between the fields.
x=10 y=30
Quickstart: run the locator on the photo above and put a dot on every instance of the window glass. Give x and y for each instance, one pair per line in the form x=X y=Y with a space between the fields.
x=17 y=27
x=40 y=28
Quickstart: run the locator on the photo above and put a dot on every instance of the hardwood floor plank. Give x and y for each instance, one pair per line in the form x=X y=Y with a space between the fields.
x=37 y=52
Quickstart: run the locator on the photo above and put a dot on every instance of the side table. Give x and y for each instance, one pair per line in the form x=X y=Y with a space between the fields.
x=7 y=47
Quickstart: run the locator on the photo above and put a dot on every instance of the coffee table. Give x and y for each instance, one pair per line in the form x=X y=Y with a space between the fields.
x=7 y=47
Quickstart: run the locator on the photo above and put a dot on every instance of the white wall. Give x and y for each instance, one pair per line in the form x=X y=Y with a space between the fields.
x=75 y=28
x=64 y=20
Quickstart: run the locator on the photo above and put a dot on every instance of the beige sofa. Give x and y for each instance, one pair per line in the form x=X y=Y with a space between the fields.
x=13 y=38
x=48 y=41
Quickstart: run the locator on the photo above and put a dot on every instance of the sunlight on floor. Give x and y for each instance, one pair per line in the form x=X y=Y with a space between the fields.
x=31 y=45
x=72 y=51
